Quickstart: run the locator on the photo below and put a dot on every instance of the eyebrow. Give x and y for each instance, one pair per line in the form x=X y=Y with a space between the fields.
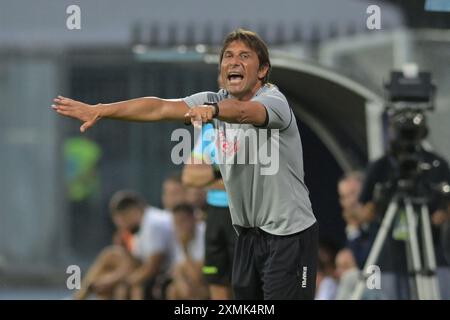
x=241 y=52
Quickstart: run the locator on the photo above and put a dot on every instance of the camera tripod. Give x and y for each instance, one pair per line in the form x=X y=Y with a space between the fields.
x=421 y=265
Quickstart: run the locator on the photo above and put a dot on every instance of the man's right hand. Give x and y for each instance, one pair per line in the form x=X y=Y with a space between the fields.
x=86 y=113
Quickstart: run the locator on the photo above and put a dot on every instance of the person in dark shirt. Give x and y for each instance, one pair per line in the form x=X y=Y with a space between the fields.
x=381 y=184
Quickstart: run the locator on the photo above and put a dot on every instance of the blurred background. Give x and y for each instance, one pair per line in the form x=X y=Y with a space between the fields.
x=55 y=183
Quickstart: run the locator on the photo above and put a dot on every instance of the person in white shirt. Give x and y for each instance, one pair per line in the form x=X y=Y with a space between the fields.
x=142 y=250
x=188 y=281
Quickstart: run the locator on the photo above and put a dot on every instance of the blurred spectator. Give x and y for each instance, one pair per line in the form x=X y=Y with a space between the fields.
x=196 y=197
x=381 y=184
x=360 y=232
x=187 y=278
x=345 y=261
x=326 y=284
x=173 y=191
x=141 y=251
x=347 y=273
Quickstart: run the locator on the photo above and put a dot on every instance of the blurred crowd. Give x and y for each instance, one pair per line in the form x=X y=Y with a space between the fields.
x=155 y=253
x=340 y=269
x=160 y=253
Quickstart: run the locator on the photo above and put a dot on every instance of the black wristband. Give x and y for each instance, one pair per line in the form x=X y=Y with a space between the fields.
x=216 y=108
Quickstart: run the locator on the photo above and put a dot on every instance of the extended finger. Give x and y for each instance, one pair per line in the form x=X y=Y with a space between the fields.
x=64 y=98
x=60 y=107
x=61 y=101
x=65 y=101
x=63 y=112
x=86 y=126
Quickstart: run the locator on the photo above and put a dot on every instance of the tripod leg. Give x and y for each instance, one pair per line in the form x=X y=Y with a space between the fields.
x=376 y=248
x=430 y=258
x=414 y=247
x=411 y=274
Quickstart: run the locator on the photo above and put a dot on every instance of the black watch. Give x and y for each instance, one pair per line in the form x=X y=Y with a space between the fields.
x=216 y=108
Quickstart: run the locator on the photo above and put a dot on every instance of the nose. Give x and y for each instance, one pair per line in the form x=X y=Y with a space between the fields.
x=235 y=61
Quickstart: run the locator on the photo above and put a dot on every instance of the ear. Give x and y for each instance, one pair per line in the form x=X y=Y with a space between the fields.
x=262 y=72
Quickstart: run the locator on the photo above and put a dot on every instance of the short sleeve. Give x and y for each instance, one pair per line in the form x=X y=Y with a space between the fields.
x=279 y=114
x=197 y=98
x=154 y=239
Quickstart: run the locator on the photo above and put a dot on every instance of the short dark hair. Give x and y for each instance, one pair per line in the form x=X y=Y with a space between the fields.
x=183 y=207
x=254 y=42
x=126 y=199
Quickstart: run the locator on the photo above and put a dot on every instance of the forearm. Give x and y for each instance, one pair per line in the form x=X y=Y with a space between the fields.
x=113 y=278
x=182 y=284
x=140 y=109
x=148 y=269
x=142 y=273
x=193 y=270
x=235 y=111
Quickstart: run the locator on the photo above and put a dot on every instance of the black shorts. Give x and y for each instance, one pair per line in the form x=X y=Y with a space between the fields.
x=275 y=267
x=220 y=239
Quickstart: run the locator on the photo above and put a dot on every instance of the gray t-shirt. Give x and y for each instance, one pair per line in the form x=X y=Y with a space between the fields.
x=262 y=167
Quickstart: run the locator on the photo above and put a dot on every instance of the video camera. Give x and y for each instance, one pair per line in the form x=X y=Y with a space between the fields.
x=409 y=94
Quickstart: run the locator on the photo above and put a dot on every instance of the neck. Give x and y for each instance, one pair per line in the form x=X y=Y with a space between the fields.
x=249 y=95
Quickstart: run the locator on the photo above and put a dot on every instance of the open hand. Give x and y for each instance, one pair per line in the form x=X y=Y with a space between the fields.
x=86 y=113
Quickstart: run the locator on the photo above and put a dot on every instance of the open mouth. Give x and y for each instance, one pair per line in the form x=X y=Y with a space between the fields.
x=235 y=77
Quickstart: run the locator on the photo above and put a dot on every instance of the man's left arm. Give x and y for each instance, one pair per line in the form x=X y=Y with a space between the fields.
x=232 y=111
x=235 y=111
x=267 y=110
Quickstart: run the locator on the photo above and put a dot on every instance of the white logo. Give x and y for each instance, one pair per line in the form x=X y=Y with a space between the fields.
x=73 y=21
x=374 y=280
x=304 y=277
x=233 y=146
x=373 y=22
x=74 y=280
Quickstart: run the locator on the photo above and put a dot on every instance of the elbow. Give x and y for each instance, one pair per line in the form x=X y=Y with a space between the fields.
x=250 y=113
x=242 y=114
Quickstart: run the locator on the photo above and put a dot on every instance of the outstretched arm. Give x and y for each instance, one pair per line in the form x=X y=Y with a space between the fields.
x=140 y=109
